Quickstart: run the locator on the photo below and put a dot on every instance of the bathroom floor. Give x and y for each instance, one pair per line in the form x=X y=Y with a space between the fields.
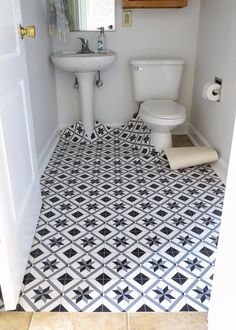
x=119 y=231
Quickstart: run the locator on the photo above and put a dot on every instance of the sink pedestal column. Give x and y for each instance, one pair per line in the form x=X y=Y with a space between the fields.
x=86 y=91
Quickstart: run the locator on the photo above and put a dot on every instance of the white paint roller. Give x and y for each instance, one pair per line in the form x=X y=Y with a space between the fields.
x=190 y=156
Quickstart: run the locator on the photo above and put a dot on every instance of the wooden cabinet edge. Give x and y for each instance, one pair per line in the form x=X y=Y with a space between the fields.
x=127 y=4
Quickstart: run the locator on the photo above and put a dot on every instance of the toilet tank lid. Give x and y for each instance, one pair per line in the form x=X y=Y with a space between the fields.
x=156 y=61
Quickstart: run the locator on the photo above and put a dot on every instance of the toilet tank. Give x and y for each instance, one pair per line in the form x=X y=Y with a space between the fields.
x=155 y=78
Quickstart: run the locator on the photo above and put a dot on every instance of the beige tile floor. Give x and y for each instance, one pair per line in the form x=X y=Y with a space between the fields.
x=103 y=321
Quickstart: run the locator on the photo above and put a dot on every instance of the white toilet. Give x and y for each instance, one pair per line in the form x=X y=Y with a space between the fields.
x=156 y=83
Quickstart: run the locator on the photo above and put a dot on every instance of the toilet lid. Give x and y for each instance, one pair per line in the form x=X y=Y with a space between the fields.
x=164 y=109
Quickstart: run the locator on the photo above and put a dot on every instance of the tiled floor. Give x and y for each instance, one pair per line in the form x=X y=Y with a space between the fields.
x=1 y=301
x=119 y=231
x=103 y=321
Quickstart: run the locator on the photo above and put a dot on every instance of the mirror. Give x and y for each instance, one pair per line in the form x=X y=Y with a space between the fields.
x=88 y=15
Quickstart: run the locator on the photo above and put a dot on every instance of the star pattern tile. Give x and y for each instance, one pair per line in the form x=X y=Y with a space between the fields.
x=119 y=231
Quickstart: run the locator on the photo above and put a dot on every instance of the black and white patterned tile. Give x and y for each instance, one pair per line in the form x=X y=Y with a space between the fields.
x=1 y=301
x=41 y=294
x=119 y=231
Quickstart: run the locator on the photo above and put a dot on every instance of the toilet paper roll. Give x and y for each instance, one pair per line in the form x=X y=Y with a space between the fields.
x=211 y=92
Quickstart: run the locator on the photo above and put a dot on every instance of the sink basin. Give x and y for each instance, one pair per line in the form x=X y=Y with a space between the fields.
x=85 y=67
x=74 y=62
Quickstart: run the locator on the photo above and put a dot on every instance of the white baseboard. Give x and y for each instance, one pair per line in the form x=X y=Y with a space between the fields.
x=182 y=129
x=221 y=170
x=62 y=127
x=115 y=125
x=196 y=137
x=220 y=167
x=48 y=151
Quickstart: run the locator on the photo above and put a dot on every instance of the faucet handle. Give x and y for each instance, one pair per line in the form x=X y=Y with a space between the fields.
x=85 y=47
x=83 y=40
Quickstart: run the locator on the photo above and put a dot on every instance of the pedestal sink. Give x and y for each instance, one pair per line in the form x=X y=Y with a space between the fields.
x=85 y=66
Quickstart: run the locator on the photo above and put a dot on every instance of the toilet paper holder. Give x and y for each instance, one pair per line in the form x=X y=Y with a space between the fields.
x=212 y=90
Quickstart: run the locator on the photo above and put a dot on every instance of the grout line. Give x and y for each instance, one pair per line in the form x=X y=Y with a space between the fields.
x=31 y=321
x=128 y=321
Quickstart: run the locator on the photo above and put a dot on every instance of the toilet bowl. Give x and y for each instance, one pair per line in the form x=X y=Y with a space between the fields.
x=155 y=85
x=162 y=116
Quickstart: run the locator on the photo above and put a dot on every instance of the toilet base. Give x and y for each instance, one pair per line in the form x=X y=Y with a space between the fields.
x=161 y=140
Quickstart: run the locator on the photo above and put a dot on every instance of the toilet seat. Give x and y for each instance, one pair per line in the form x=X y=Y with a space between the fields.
x=163 y=109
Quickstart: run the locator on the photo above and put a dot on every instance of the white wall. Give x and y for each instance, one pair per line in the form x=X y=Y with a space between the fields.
x=216 y=57
x=41 y=74
x=222 y=304
x=155 y=32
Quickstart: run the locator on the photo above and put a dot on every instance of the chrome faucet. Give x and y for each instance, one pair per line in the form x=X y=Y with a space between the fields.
x=85 y=47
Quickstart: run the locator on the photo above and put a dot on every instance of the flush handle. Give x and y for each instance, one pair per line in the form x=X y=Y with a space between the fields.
x=138 y=68
x=29 y=31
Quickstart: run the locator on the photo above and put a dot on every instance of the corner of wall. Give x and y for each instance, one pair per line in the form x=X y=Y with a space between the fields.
x=220 y=166
x=195 y=57
x=47 y=152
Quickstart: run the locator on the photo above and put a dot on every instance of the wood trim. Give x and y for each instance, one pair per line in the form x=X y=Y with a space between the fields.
x=154 y=3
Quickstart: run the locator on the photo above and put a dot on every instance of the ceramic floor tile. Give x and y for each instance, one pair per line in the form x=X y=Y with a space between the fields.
x=199 y=292
x=15 y=321
x=79 y=321
x=41 y=295
x=196 y=265
x=157 y=266
x=122 y=265
x=1 y=301
x=170 y=321
x=123 y=295
x=119 y=231
x=163 y=295
x=82 y=296
x=49 y=266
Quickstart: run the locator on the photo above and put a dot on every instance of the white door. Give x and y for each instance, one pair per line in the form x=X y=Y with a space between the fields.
x=20 y=199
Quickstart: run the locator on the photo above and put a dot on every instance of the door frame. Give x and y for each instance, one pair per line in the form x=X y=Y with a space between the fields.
x=20 y=198
x=222 y=302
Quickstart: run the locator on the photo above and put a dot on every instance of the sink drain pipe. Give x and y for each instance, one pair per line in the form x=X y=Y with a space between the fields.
x=99 y=81
x=76 y=83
